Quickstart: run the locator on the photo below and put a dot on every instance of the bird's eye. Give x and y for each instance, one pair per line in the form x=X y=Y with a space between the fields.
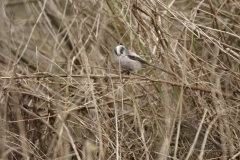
x=121 y=50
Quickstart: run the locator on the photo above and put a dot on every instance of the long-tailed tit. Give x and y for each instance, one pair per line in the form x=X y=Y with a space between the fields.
x=129 y=60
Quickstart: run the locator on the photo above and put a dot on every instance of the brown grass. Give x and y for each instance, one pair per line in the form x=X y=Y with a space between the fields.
x=63 y=96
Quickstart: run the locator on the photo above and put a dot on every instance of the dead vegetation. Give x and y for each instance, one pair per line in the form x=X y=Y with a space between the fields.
x=63 y=97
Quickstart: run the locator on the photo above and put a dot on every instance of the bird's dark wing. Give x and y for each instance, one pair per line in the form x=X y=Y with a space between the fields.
x=136 y=58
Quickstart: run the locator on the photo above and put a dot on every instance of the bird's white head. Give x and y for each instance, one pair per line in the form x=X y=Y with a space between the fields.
x=121 y=50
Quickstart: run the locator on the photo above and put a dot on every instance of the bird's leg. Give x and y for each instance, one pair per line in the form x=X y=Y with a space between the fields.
x=125 y=71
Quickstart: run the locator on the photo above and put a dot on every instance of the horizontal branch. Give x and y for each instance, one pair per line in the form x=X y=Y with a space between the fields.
x=135 y=76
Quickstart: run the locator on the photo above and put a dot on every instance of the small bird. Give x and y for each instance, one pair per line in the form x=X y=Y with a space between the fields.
x=129 y=60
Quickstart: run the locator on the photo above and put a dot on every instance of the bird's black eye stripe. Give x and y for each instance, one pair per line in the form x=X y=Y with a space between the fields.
x=121 y=50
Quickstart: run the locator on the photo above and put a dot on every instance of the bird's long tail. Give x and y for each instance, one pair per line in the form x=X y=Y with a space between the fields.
x=161 y=69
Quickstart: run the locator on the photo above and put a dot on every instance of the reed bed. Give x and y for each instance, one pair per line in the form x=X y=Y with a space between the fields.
x=64 y=97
